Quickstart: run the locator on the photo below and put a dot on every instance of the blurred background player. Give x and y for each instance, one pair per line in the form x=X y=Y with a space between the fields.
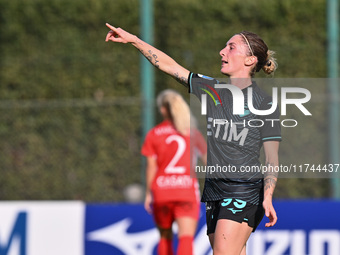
x=172 y=194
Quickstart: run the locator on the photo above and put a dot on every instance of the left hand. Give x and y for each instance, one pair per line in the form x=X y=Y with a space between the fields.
x=269 y=212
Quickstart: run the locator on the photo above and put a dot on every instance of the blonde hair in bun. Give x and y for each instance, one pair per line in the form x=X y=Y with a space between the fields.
x=258 y=48
x=271 y=64
x=178 y=110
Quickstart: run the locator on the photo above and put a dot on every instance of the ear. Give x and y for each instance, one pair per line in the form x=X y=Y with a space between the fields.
x=250 y=60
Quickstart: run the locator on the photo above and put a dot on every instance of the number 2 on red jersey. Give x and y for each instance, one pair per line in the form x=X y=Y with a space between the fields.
x=171 y=168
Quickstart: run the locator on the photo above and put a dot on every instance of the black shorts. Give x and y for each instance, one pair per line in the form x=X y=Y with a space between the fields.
x=235 y=210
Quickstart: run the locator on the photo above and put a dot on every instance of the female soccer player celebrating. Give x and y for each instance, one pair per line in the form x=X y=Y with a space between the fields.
x=172 y=189
x=235 y=201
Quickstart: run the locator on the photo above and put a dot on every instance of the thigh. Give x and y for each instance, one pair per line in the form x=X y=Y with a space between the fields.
x=230 y=237
x=186 y=216
x=186 y=226
x=240 y=215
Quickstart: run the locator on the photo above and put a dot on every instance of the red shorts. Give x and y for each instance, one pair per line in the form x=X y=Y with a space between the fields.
x=166 y=213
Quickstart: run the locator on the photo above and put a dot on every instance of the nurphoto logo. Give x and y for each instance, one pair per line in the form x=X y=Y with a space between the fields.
x=238 y=100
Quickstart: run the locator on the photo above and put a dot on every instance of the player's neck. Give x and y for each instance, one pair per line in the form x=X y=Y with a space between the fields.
x=241 y=83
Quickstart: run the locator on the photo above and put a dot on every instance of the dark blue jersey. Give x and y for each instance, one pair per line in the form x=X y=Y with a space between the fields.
x=234 y=140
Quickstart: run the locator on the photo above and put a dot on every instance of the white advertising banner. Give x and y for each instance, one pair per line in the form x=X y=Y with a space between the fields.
x=42 y=228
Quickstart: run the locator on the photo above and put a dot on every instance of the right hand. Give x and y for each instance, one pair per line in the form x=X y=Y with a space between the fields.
x=119 y=35
x=148 y=202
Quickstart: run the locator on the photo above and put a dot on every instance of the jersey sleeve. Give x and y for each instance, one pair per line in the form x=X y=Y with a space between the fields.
x=271 y=129
x=199 y=84
x=148 y=148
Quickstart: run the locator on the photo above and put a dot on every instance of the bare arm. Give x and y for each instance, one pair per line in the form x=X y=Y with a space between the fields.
x=271 y=149
x=156 y=57
x=151 y=169
x=204 y=159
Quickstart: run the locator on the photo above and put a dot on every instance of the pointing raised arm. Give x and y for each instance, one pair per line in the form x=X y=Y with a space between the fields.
x=119 y=35
x=156 y=57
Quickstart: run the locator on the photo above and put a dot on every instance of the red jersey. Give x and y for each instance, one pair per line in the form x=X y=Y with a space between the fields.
x=174 y=156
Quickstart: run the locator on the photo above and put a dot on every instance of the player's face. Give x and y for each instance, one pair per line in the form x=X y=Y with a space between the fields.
x=233 y=58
